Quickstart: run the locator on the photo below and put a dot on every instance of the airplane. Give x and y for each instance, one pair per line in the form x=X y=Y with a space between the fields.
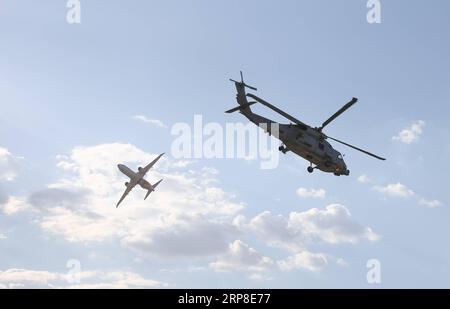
x=138 y=179
x=307 y=142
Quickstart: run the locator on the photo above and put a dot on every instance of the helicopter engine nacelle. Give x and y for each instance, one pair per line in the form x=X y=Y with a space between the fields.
x=126 y=184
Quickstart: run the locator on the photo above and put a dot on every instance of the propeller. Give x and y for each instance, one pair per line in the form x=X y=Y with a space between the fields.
x=243 y=83
x=354 y=147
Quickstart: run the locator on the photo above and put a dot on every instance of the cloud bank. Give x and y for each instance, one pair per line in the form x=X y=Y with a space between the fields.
x=410 y=134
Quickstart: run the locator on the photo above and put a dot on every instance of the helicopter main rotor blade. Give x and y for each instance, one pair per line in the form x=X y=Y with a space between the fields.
x=339 y=112
x=351 y=146
x=276 y=109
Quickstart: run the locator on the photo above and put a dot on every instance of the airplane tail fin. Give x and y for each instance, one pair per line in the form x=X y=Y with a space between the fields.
x=152 y=189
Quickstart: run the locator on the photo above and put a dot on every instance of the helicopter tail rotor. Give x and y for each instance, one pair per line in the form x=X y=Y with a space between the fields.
x=243 y=83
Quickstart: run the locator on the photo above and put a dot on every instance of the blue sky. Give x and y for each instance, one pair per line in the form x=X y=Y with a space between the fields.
x=68 y=94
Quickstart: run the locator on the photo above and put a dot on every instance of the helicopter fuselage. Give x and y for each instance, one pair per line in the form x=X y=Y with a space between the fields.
x=307 y=142
x=303 y=141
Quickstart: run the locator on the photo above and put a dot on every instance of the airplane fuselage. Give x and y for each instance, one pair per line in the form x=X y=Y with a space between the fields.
x=135 y=178
x=127 y=171
x=138 y=178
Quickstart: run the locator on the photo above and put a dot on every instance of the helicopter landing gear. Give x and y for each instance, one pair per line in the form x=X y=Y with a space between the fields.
x=310 y=169
x=283 y=149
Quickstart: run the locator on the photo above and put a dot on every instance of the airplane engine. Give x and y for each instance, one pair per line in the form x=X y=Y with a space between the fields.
x=126 y=184
x=139 y=168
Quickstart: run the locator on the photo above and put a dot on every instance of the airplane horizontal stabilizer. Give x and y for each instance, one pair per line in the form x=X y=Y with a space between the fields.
x=156 y=184
x=152 y=189
x=148 y=193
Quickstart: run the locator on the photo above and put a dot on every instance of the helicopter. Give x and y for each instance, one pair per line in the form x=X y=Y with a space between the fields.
x=308 y=142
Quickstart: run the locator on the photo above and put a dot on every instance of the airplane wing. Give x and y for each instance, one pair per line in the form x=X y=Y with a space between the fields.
x=149 y=166
x=127 y=190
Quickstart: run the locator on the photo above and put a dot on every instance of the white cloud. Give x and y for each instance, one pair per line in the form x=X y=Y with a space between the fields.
x=180 y=236
x=9 y=165
x=188 y=215
x=119 y=280
x=25 y=278
x=304 y=260
x=430 y=203
x=410 y=134
x=396 y=190
x=364 y=178
x=272 y=229
x=14 y=205
x=47 y=199
x=3 y=236
x=332 y=225
x=182 y=163
x=342 y=262
x=145 y=119
x=240 y=257
x=22 y=276
x=3 y=197
x=314 y=193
